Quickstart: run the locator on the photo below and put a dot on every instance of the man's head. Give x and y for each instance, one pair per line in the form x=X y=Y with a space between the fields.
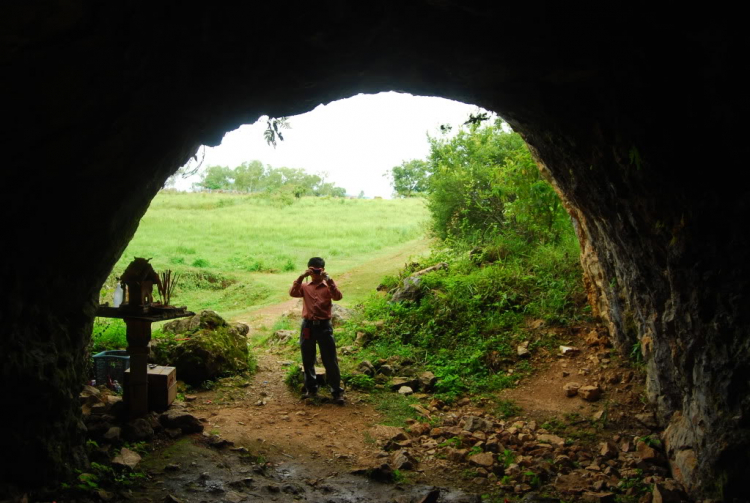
x=317 y=265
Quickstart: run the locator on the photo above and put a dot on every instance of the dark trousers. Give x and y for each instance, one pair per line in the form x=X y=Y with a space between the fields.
x=320 y=333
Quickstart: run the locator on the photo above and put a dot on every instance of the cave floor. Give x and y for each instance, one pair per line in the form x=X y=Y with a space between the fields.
x=281 y=448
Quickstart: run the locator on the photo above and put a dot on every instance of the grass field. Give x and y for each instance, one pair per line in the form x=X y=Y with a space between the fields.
x=235 y=252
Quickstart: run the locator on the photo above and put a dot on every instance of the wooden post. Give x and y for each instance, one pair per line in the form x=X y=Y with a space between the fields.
x=139 y=335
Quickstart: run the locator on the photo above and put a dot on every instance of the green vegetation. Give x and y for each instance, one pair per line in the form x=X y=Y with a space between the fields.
x=509 y=253
x=411 y=178
x=282 y=183
x=234 y=252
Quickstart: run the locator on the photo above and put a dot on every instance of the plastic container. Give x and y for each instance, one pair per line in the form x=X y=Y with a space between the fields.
x=110 y=366
x=118 y=295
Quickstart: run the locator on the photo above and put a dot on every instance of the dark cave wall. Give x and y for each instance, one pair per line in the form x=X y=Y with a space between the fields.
x=637 y=118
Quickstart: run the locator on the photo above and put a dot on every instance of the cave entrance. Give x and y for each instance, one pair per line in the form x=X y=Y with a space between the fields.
x=105 y=98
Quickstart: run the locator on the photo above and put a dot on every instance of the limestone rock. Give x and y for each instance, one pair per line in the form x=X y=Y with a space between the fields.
x=397 y=382
x=590 y=393
x=127 y=458
x=569 y=350
x=523 y=350
x=474 y=423
x=380 y=473
x=598 y=497
x=484 y=459
x=340 y=314
x=212 y=349
x=402 y=460
x=363 y=339
x=176 y=418
x=645 y=452
x=668 y=492
x=405 y=390
x=571 y=388
x=283 y=336
x=456 y=455
x=386 y=370
x=548 y=438
x=427 y=380
x=388 y=433
x=138 y=430
x=366 y=368
x=112 y=434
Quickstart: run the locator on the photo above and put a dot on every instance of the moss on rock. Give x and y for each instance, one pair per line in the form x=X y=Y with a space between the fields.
x=203 y=348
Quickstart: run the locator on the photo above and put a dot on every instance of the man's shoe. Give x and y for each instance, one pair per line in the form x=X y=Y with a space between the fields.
x=338 y=399
x=309 y=394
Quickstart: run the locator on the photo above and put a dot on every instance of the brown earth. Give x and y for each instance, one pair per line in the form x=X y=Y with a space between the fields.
x=323 y=440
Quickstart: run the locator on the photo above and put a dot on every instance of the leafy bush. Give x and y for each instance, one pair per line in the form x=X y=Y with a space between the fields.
x=472 y=315
x=483 y=181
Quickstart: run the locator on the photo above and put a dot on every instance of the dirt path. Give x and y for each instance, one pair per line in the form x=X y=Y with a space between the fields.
x=307 y=450
x=264 y=415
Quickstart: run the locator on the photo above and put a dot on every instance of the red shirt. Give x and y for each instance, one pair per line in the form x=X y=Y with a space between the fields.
x=317 y=298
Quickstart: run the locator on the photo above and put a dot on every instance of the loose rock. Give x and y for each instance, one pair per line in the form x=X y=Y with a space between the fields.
x=571 y=388
x=127 y=458
x=590 y=393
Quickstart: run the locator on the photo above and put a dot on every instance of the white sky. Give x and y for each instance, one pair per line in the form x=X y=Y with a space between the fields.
x=356 y=140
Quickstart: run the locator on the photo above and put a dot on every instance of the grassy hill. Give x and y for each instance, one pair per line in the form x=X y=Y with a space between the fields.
x=234 y=252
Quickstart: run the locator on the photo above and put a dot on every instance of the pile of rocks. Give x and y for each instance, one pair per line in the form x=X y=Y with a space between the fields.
x=397 y=374
x=105 y=418
x=520 y=457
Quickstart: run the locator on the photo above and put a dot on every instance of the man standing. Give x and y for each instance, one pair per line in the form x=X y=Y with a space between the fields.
x=316 y=327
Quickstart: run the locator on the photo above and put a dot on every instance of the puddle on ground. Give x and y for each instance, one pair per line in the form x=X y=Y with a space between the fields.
x=191 y=471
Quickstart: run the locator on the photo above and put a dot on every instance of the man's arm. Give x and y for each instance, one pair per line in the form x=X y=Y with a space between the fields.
x=335 y=292
x=296 y=289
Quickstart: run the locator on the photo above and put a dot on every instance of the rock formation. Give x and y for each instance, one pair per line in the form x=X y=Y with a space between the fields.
x=636 y=115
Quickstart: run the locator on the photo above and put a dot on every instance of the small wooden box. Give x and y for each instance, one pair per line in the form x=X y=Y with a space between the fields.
x=162 y=386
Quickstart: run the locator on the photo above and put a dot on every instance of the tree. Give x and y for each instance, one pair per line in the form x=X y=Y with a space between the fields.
x=410 y=179
x=217 y=178
x=248 y=176
x=484 y=181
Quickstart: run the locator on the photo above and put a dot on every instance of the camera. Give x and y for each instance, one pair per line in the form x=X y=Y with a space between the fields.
x=315 y=270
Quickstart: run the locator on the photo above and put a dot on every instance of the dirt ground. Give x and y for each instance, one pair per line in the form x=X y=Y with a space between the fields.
x=318 y=444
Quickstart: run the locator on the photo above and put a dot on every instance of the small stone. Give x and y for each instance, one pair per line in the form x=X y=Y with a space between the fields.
x=608 y=450
x=172 y=467
x=474 y=423
x=405 y=390
x=523 y=351
x=550 y=439
x=190 y=398
x=112 y=434
x=127 y=458
x=113 y=399
x=456 y=455
x=603 y=497
x=176 y=418
x=571 y=388
x=647 y=420
x=590 y=393
x=484 y=459
x=569 y=350
x=668 y=492
x=402 y=460
x=366 y=368
x=427 y=379
x=386 y=370
x=645 y=452
x=565 y=373
x=233 y=497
